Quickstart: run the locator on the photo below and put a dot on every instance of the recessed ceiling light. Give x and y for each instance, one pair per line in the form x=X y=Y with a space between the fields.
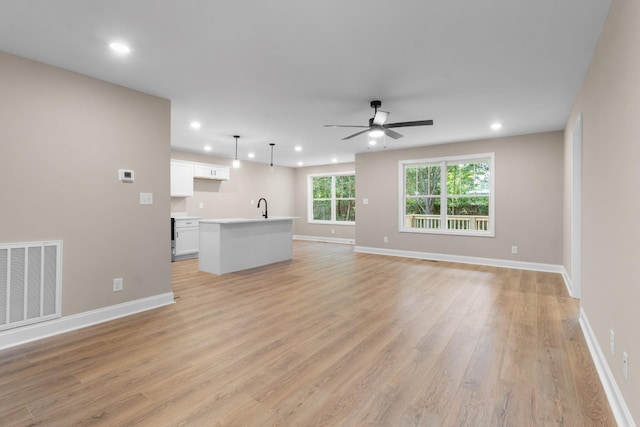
x=207 y=148
x=300 y=164
x=195 y=125
x=119 y=47
x=334 y=160
x=251 y=155
x=496 y=126
x=298 y=148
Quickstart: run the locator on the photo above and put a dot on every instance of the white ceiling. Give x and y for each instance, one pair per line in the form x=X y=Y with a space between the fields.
x=277 y=71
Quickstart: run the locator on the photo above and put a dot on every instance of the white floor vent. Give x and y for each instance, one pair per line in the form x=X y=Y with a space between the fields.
x=30 y=282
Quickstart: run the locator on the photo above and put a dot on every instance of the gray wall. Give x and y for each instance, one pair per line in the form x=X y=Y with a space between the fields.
x=303 y=228
x=528 y=200
x=63 y=137
x=610 y=102
x=232 y=198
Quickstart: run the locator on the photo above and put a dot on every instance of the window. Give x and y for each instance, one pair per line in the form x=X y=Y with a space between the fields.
x=332 y=198
x=451 y=195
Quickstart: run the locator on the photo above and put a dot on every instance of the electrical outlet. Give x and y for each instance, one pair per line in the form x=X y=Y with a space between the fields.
x=118 y=284
x=386 y=239
x=625 y=365
x=612 y=341
x=514 y=249
x=333 y=231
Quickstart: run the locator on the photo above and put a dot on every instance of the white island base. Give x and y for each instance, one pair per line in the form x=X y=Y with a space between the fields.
x=234 y=244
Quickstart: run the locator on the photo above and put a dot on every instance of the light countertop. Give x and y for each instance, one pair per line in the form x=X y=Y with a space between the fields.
x=183 y=215
x=246 y=220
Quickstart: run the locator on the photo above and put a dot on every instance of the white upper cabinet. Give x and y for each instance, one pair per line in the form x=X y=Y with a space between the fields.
x=183 y=173
x=205 y=171
x=181 y=179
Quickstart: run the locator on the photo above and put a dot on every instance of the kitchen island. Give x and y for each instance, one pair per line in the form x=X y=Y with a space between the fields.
x=234 y=244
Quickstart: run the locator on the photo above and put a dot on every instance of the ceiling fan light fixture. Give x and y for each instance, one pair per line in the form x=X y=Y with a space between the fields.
x=376 y=133
x=379 y=127
x=120 y=48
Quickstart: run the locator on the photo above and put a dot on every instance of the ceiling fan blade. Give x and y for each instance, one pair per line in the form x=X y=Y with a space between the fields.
x=380 y=117
x=356 y=134
x=392 y=134
x=407 y=124
x=345 y=126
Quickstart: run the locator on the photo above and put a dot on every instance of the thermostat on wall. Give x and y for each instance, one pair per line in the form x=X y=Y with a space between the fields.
x=125 y=175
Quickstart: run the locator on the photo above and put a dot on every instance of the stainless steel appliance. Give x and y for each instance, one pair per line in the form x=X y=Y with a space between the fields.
x=173 y=239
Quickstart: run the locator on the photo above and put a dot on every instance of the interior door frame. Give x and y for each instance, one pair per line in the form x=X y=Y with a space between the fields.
x=576 y=207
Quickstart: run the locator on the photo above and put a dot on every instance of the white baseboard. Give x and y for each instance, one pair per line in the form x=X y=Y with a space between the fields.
x=568 y=283
x=36 y=331
x=324 y=239
x=616 y=401
x=552 y=268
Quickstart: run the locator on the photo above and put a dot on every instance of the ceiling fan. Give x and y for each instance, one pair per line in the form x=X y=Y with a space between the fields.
x=377 y=126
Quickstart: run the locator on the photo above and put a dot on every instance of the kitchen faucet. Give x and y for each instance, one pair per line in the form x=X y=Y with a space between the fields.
x=265 y=214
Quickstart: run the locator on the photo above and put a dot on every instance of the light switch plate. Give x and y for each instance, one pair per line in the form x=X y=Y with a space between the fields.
x=612 y=341
x=146 y=198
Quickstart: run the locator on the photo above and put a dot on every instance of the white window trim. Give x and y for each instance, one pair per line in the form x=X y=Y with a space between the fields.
x=310 y=219
x=436 y=160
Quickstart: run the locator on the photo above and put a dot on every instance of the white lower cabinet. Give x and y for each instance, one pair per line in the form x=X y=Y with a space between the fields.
x=187 y=238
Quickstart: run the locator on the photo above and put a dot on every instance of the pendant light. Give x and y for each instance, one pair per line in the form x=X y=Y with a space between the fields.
x=271 y=164
x=236 y=162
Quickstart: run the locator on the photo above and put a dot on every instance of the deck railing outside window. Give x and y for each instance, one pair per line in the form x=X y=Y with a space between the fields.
x=454 y=222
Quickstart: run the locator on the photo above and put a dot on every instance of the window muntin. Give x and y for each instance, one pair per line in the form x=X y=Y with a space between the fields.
x=333 y=198
x=448 y=195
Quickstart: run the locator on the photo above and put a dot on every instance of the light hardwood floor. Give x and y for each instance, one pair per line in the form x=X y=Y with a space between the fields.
x=331 y=338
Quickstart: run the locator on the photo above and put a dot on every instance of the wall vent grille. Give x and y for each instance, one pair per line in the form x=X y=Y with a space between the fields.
x=30 y=283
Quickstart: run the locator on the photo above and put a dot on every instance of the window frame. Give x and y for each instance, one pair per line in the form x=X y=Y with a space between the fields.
x=333 y=199
x=444 y=194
